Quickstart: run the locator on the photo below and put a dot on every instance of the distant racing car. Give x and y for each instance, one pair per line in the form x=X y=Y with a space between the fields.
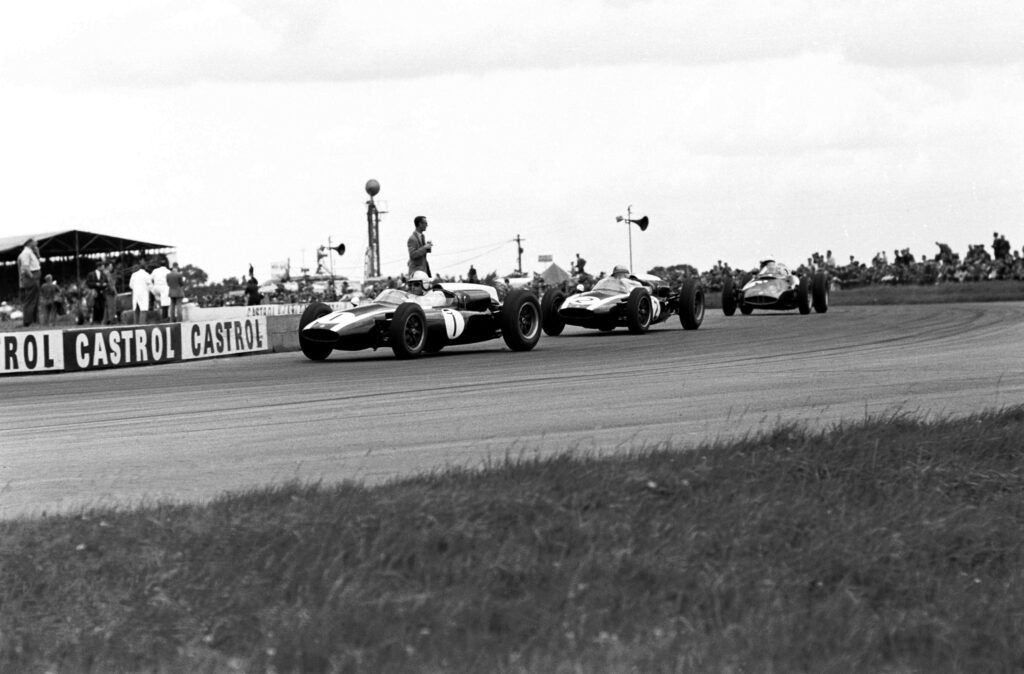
x=636 y=302
x=775 y=287
x=449 y=314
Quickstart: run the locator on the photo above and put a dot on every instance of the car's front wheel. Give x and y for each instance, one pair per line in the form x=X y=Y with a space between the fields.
x=691 y=304
x=549 y=306
x=310 y=349
x=819 y=292
x=638 y=311
x=729 y=296
x=803 y=295
x=520 y=320
x=408 y=331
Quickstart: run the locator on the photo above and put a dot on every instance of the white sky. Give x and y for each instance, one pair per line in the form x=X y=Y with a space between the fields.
x=245 y=131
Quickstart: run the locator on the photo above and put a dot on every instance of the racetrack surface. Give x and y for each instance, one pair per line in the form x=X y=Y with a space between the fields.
x=193 y=430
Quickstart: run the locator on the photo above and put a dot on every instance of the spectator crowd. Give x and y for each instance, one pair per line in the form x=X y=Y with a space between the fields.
x=109 y=293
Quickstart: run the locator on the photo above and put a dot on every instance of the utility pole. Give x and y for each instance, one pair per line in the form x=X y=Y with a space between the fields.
x=372 y=230
x=519 y=254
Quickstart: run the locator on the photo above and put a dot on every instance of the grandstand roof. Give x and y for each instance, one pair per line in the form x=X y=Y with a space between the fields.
x=73 y=243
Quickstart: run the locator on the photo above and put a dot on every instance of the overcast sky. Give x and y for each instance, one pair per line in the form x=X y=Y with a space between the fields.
x=245 y=131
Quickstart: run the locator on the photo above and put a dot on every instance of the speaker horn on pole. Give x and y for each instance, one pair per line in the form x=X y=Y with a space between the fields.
x=642 y=223
x=340 y=249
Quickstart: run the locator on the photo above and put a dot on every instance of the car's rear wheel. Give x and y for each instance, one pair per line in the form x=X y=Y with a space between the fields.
x=313 y=350
x=803 y=295
x=819 y=292
x=408 y=331
x=729 y=296
x=520 y=320
x=638 y=311
x=549 y=306
x=691 y=304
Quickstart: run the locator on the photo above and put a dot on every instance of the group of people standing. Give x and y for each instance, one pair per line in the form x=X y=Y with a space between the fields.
x=42 y=300
x=165 y=285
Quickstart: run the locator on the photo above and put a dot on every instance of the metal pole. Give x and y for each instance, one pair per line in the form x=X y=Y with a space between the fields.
x=629 y=221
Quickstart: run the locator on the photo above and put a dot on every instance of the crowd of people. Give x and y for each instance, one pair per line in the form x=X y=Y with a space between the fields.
x=102 y=297
x=153 y=286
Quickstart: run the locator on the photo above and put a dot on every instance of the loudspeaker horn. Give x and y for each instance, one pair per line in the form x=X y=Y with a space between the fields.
x=642 y=223
x=340 y=248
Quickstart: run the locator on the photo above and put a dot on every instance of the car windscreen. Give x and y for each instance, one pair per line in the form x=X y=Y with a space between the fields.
x=392 y=296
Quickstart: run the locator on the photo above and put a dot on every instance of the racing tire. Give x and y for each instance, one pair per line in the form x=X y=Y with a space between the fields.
x=639 y=311
x=819 y=292
x=313 y=350
x=691 y=304
x=549 y=306
x=520 y=320
x=408 y=331
x=803 y=295
x=746 y=309
x=729 y=296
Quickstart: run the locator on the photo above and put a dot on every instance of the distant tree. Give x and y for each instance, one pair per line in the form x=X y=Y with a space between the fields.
x=194 y=276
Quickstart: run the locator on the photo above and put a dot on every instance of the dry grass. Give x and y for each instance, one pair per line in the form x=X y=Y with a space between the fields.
x=891 y=545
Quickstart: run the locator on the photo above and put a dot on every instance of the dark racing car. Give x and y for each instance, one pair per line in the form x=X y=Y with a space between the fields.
x=411 y=324
x=634 y=301
x=775 y=287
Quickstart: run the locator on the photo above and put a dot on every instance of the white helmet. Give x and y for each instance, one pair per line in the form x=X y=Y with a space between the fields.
x=419 y=276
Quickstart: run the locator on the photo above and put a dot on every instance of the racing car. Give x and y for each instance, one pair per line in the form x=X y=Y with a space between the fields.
x=775 y=287
x=636 y=301
x=413 y=324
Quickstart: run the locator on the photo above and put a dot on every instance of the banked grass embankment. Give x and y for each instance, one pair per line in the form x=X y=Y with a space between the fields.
x=892 y=544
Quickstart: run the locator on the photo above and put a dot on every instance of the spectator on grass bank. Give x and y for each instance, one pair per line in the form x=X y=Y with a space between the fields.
x=252 y=290
x=580 y=265
x=51 y=300
x=29 y=271
x=159 y=287
x=176 y=291
x=472 y=277
x=140 y=283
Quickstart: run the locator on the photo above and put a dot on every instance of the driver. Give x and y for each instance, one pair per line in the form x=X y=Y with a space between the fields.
x=621 y=272
x=422 y=285
x=416 y=283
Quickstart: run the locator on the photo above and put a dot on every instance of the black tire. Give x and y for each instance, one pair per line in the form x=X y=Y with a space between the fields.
x=639 y=311
x=803 y=295
x=746 y=309
x=729 y=296
x=691 y=304
x=313 y=350
x=819 y=292
x=549 y=306
x=408 y=331
x=520 y=320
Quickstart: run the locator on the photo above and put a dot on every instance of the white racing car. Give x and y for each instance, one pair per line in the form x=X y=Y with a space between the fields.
x=636 y=302
x=775 y=287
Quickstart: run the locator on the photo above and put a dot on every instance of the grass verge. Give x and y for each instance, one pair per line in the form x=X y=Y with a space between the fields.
x=890 y=545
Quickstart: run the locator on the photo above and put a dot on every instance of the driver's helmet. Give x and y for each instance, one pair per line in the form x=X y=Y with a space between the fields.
x=419 y=277
x=620 y=270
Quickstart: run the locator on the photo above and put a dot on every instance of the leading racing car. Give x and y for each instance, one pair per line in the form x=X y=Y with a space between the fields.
x=635 y=301
x=775 y=287
x=412 y=324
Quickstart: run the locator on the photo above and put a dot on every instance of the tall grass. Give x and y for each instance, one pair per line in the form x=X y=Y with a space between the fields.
x=890 y=545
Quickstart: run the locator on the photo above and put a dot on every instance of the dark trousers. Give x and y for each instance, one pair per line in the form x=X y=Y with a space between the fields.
x=30 y=303
x=99 y=306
